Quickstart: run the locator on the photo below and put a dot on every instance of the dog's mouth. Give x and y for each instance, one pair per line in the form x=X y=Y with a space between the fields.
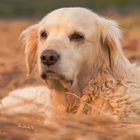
x=56 y=81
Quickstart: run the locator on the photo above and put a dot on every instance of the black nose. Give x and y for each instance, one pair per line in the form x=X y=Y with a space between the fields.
x=49 y=57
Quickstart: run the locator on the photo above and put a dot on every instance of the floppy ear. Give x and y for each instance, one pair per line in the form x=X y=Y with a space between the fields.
x=30 y=40
x=109 y=38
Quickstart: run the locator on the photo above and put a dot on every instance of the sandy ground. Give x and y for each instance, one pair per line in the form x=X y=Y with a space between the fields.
x=13 y=74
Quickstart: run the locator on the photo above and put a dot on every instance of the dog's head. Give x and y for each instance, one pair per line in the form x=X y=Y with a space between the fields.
x=71 y=45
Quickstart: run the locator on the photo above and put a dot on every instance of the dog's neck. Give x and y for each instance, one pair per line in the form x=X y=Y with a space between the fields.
x=101 y=78
x=102 y=72
x=103 y=81
x=105 y=95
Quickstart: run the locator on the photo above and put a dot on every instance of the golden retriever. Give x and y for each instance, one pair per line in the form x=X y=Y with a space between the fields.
x=78 y=54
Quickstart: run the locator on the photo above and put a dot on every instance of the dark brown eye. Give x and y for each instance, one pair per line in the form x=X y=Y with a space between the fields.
x=76 y=37
x=43 y=35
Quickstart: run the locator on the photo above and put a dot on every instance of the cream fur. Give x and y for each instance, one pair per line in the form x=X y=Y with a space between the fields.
x=107 y=84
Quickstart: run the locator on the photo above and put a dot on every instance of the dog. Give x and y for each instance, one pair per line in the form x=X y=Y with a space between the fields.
x=79 y=56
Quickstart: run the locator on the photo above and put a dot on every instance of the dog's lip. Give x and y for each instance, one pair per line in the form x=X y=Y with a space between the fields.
x=53 y=75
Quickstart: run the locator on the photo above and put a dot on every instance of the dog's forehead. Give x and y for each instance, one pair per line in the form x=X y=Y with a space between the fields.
x=77 y=16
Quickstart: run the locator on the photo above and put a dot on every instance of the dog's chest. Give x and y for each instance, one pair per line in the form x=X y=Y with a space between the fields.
x=106 y=100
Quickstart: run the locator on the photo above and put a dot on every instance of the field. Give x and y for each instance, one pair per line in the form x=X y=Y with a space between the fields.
x=13 y=75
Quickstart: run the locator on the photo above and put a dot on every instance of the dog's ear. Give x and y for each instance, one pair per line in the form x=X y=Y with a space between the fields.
x=109 y=38
x=30 y=39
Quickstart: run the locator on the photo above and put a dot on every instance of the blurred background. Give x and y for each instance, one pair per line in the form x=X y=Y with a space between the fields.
x=16 y=15
x=37 y=8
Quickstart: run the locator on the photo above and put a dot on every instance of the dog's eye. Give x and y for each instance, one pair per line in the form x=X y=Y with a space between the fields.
x=43 y=35
x=76 y=37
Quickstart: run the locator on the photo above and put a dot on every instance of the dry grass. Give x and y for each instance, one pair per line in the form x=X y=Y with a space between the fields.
x=25 y=127
x=71 y=127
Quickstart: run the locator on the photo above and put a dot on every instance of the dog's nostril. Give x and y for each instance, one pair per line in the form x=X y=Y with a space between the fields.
x=43 y=76
x=51 y=58
x=43 y=57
